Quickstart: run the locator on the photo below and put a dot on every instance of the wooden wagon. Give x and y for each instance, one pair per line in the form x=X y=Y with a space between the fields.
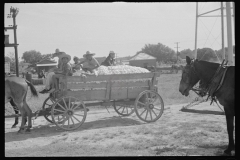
x=127 y=93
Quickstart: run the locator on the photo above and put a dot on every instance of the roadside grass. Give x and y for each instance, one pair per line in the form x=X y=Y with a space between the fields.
x=168 y=88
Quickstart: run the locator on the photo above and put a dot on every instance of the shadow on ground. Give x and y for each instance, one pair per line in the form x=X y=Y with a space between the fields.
x=52 y=129
x=203 y=111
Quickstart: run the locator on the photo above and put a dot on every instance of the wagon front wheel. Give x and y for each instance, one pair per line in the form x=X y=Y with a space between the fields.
x=47 y=106
x=69 y=113
x=149 y=106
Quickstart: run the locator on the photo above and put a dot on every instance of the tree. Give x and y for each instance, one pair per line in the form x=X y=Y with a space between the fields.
x=220 y=51
x=186 y=52
x=206 y=54
x=160 y=51
x=47 y=56
x=31 y=56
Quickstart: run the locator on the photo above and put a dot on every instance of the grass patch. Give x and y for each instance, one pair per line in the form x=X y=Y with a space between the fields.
x=144 y=130
x=168 y=88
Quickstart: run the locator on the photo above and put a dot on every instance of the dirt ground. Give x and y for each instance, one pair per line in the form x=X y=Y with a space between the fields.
x=176 y=133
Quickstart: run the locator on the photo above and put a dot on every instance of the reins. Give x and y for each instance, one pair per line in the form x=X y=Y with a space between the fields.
x=202 y=91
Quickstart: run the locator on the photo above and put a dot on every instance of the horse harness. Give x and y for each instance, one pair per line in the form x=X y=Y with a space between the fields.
x=214 y=84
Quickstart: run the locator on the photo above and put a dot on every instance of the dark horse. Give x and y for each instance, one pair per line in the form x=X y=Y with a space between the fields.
x=16 y=91
x=203 y=71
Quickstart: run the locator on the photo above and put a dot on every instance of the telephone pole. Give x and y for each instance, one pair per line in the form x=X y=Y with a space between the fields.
x=13 y=14
x=177 y=49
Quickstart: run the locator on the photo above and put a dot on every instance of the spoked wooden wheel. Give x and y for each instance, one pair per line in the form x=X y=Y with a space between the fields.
x=149 y=106
x=124 y=109
x=69 y=113
x=47 y=106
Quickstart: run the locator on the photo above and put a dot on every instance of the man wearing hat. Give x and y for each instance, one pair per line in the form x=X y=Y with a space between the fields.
x=91 y=62
x=110 y=60
x=65 y=71
x=52 y=72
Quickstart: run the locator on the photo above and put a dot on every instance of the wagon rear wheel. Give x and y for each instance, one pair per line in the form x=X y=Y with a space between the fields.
x=124 y=109
x=47 y=106
x=69 y=113
x=149 y=106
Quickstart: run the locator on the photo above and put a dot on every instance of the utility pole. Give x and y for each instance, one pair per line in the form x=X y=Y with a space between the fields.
x=177 y=49
x=195 y=47
x=222 y=24
x=14 y=12
x=229 y=33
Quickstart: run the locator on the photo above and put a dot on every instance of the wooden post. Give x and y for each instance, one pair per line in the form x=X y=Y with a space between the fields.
x=195 y=51
x=229 y=34
x=222 y=20
x=15 y=42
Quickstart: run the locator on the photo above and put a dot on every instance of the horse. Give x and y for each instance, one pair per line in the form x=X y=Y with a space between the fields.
x=203 y=71
x=16 y=90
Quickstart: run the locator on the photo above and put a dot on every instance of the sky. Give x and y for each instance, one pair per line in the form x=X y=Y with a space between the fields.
x=122 y=27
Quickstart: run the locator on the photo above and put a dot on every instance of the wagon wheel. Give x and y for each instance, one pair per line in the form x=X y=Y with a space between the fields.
x=149 y=106
x=68 y=113
x=47 y=106
x=124 y=109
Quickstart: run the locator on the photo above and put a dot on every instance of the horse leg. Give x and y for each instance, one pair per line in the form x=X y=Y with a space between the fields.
x=29 y=115
x=22 y=111
x=230 y=127
x=16 y=112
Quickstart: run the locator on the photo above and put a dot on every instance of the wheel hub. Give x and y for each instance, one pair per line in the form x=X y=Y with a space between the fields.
x=70 y=113
x=151 y=106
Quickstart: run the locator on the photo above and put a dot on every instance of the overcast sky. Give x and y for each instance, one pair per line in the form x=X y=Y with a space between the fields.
x=124 y=28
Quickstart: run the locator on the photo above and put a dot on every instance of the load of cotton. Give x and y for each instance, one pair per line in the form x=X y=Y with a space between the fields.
x=121 y=69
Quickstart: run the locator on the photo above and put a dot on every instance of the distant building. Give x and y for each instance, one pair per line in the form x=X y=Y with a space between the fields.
x=45 y=65
x=143 y=60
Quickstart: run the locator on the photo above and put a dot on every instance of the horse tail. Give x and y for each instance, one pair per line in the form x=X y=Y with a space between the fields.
x=32 y=88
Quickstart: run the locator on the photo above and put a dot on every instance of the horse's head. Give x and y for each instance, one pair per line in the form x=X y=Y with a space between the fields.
x=189 y=77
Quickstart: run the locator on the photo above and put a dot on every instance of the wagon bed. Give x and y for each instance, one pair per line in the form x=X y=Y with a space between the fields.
x=127 y=93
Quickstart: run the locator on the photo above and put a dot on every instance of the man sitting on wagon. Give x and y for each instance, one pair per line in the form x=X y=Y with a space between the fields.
x=51 y=71
x=110 y=60
x=65 y=70
x=91 y=62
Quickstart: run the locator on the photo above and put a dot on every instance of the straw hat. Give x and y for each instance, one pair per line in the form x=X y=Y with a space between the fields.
x=65 y=55
x=88 y=53
x=111 y=52
x=57 y=52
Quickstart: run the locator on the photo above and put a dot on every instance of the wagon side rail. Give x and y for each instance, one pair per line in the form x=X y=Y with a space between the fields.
x=106 y=87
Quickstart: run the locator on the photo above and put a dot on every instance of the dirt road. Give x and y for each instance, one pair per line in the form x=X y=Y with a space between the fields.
x=176 y=133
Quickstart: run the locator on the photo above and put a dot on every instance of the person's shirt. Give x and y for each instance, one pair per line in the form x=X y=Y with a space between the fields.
x=65 y=69
x=91 y=63
x=109 y=61
x=75 y=67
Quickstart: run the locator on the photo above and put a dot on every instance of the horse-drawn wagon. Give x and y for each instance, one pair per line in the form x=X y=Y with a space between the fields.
x=127 y=93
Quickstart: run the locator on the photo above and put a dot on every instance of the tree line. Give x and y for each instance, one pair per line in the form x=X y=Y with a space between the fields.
x=163 y=54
